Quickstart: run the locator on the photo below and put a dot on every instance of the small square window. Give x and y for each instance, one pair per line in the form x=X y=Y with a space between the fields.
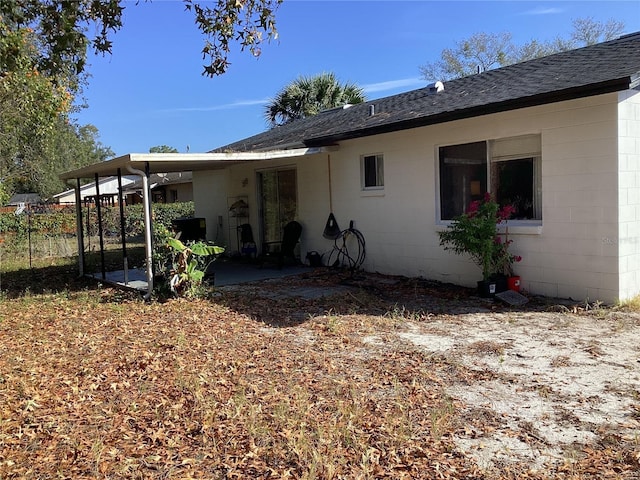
x=372 y=167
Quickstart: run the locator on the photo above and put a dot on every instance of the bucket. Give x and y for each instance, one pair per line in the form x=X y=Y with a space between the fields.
x=513 y=283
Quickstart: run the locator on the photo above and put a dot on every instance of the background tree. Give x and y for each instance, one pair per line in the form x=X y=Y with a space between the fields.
x=43 y=54
x=308 y=96
x=31 y=105
x=586 y=31
x=163 y=149
x=72 y=146
x=478 y=53
x=484 y=51
x=66 y=147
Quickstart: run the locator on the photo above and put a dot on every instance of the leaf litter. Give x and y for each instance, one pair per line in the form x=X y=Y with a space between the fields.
x=324 y=376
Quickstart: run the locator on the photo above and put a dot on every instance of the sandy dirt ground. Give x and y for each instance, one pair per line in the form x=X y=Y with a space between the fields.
x=551 y=381
x=550 y=377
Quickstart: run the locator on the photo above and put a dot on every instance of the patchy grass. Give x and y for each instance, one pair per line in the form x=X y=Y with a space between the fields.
x=630 y=305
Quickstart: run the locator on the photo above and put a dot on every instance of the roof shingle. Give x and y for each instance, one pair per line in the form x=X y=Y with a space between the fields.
x=592 y=70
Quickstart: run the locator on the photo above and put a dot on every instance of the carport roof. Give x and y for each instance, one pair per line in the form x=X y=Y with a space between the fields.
x=180 y=162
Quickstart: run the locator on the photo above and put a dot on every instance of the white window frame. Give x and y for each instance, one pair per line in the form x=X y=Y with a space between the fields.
x=532 y=148
x=520 y=148
x=379 y=172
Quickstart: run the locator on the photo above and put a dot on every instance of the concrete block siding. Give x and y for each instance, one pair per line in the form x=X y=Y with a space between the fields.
x=586 y=247
x=629 y=193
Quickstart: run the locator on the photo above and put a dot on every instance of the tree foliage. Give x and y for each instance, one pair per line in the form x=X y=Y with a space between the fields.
x=43 y=55
x=65 y=147
x=247 y=23
x=62 y=29
x=72 y=146
x=31 y=105
x=37 y=141
x=484 y=51
x=163 y=149
x=307 y=96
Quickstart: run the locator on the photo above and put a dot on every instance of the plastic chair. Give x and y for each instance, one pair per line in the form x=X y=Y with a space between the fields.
x=284 y=248
x=247 y=245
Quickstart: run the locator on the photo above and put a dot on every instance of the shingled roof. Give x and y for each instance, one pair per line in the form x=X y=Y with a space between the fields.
x=597 y=69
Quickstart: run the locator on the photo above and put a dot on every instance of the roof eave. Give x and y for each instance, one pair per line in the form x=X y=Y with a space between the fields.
x=573 y=93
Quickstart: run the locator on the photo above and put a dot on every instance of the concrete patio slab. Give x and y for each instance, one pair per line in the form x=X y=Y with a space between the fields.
x=225 y=273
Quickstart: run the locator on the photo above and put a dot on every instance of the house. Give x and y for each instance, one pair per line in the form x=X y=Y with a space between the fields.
x=107 y=186
x=165 y=187
x=24 y=199
x=169 y=187
x=559 y=137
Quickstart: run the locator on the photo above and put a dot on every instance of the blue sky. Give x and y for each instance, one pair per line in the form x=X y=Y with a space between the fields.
x=150 y=91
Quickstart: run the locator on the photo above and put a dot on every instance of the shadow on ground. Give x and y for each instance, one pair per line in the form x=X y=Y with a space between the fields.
x=44 y=279
x=56 y=275
x=290 y=301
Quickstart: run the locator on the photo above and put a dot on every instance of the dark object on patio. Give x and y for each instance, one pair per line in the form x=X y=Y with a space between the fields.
x=314 y=259
x=190 y=229
x=247 y=244
x=284 y=248
x=349 y=250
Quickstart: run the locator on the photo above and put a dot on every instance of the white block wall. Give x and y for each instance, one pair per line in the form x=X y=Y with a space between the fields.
x=210 y=202
x=573 y=255
x=629 y=193
x=569 y=256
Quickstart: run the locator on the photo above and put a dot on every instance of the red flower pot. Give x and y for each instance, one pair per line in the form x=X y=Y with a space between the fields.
x=513 y=283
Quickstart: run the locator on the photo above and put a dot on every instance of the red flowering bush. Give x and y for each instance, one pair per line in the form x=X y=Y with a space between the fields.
x=503 y=259
x=475 y=233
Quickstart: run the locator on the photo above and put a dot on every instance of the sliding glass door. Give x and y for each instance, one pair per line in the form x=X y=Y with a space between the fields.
x=278 y=201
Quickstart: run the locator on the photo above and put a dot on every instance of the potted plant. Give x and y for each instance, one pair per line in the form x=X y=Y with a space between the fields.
x=475 y=233
x=504 y=260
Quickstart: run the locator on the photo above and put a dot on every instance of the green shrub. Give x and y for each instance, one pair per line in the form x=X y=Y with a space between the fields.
x=52 y=229
x=64 y=222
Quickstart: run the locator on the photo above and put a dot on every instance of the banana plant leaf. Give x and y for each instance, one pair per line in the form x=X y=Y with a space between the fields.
x=204 y=250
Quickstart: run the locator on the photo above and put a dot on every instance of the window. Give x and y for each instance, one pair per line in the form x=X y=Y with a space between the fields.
x=372 y=168
x=507 y=168
x=516 y=175
x=157 y=197
x=463 y=177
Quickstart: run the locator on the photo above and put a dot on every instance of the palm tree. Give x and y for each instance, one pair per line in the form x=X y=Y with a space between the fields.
x=307 y=96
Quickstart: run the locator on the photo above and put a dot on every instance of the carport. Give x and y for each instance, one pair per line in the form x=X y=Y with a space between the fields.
x=143 y=165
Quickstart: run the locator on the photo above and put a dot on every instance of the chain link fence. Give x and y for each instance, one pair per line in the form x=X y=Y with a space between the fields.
x=39 y=232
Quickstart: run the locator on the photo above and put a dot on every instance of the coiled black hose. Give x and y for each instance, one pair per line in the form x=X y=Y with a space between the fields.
x=349 y=250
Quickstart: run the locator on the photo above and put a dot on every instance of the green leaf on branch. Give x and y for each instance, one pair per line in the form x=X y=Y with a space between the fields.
x=176 y=244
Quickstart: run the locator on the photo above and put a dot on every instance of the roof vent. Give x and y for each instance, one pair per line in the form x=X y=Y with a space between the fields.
x=372 y=110
x=436 y=87
x=335 y=109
